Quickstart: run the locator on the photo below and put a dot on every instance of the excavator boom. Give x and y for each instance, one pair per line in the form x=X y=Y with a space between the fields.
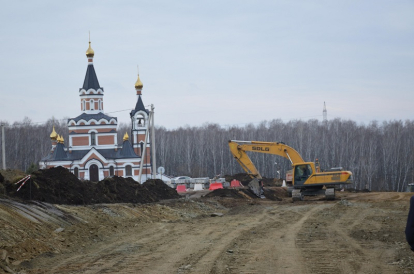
x=239 y=148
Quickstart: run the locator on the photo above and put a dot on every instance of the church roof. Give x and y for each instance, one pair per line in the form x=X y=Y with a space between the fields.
x=59 y=153
x=126 y=151
x=91 y=80
x=139 y=106
x=97 y=117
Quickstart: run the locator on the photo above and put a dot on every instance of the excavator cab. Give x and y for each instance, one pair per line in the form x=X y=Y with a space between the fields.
x=301 y=173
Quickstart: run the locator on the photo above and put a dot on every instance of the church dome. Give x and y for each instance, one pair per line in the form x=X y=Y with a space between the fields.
x=90 y=52
x=53 y=135
x=138 y=83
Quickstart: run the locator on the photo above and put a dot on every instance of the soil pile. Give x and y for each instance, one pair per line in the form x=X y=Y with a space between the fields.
x=275 y=194
x=11 y=174
x=59 y=186
x=232 y=193
x=162 y=191
x=242 y=177
x=245 y=179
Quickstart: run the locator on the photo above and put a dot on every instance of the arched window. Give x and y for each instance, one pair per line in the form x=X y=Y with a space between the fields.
x=128 y=170
x=76 y=172
x=142 y=147
x=111 y=171
x=93 y=138
x=99 y=104
x=92 y=105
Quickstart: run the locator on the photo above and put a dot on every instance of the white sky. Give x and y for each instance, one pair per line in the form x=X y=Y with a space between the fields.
x=225 y=62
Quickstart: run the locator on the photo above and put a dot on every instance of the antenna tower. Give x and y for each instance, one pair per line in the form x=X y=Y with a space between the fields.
x=325 y=113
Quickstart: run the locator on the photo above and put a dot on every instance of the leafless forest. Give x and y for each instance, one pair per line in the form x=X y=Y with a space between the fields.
x=380 y=154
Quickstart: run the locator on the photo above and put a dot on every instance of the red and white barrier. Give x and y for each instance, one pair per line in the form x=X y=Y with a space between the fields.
x=24 y=180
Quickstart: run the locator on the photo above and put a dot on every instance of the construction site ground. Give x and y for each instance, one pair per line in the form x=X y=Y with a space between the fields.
x=357 y=233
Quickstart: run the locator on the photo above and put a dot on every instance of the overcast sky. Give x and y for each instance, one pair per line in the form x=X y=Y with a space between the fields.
x=224 y=62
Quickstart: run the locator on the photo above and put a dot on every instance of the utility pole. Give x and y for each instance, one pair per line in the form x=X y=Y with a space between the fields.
x=3 y=146
x=145 y=149
x=154 y=161
x=325 y=113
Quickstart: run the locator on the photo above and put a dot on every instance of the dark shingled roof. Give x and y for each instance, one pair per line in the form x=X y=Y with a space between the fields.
x=127 y=151
x=91 y=81
x=139 y=106
x=59 y=153
x=88 y=117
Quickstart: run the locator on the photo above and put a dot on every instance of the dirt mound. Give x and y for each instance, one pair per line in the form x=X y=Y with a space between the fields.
x=232 y=193
x=245 y=179
x=59 y=186
x=161 y=189
x=11 y=175
x=242 y=177
x=271 y=182
x=275 y=194
x=357 y=190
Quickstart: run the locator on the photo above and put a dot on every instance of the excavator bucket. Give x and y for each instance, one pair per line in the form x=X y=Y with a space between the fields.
x=255 y=187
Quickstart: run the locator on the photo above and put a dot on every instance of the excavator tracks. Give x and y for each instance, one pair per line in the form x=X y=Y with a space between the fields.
x=330 y=194
x=297 y=195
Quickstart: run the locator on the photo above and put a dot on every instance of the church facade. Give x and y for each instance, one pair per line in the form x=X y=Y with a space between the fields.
x=92 y=151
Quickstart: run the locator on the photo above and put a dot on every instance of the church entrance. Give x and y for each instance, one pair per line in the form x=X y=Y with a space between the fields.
x=94 y=173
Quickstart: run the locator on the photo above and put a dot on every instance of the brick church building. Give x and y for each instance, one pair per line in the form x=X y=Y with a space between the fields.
x=92 y=151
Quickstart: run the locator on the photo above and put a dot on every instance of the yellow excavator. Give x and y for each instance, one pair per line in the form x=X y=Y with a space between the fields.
x=306 y=178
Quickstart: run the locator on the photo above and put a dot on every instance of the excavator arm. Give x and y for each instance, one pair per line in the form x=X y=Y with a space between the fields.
x=239 y=148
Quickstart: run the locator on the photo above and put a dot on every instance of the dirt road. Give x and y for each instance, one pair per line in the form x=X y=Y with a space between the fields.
x=357 y=233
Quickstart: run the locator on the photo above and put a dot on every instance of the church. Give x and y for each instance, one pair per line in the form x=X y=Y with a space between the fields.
x=92 y=151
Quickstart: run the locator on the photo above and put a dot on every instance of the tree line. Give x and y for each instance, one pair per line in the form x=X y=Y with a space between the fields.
x=380 y=154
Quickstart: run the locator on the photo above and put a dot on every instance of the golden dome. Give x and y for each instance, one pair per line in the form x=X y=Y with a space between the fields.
x=53 y=135
x=126 y=137
x=138 y=83
x=60 y=139
x=90 y=52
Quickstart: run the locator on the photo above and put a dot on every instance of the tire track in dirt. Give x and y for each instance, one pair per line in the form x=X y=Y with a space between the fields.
x=328 y=246
x=154 y=248
x=231 y=228
x=270 y=246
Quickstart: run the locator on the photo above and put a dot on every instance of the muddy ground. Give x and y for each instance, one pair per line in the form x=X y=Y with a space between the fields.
x=225 y=232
